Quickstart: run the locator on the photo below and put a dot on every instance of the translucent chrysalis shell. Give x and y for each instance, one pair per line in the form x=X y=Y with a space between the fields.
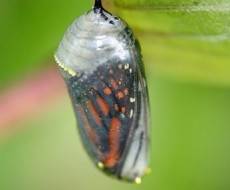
x=100 y=61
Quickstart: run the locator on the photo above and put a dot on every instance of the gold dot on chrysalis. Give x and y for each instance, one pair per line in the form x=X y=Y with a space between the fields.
x=68 y=70
x=100 y=165
x=138 y=180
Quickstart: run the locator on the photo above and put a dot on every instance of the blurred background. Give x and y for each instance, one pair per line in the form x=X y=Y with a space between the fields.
x=185 y=45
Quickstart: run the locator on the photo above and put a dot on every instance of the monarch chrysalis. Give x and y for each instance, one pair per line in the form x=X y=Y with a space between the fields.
x=101 y=63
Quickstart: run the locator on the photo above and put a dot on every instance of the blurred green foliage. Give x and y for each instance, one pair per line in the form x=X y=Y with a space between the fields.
x=190 y=146
x=30 y=32
x=185 y=46
x=185 y=40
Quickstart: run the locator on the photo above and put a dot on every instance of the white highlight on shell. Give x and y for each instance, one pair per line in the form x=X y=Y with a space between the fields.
x=91 y=41
x=144 y=82
x=131 y=113
x=130 y=70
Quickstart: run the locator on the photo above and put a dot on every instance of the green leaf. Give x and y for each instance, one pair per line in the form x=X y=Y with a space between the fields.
x=183 y=39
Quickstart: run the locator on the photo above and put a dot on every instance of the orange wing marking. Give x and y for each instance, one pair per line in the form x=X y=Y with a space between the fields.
x=120 y=95
x=103 y=105
x=89 y=131
x=94 y=113
x=114 y=134
x=107 y=91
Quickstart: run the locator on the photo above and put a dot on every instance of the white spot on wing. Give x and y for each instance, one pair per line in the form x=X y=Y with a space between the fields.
x=132 y=100
x=126 y=66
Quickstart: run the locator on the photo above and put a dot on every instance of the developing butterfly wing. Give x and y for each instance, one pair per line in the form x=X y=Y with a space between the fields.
x=104 y=104
x=136 y=157
x=111 y=110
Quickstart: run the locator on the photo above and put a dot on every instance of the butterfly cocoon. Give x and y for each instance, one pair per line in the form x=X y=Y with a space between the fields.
x=100 y=61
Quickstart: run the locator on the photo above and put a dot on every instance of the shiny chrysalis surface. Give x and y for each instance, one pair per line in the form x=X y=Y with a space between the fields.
x=100 y=61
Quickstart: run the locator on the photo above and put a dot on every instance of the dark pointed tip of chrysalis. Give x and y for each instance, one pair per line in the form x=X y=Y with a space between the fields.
x=97 y=5
x=98 y=9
